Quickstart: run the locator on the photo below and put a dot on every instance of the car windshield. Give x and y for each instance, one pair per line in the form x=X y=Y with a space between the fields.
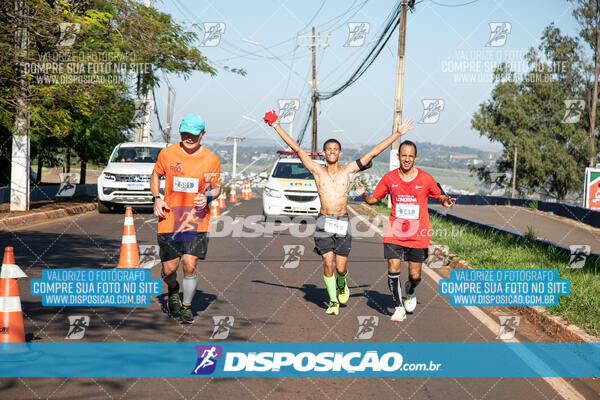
x=136 y=154
x=289 y=170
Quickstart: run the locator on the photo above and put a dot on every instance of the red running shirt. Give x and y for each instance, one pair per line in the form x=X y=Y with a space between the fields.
x=409 y=219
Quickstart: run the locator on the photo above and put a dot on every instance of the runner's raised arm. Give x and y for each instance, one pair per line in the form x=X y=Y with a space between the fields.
x=365 y=161
x=271 y=119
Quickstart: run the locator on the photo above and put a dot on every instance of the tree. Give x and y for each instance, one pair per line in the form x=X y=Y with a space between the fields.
x=588 y=15
x=528 y=113
x=132 y=43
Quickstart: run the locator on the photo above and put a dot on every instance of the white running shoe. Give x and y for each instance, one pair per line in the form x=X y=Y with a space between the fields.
x=399 y=314
x=411 y=300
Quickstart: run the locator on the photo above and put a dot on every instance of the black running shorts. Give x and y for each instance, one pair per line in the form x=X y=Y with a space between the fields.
x=174 y=245
x=327 y=241
x=391 y=251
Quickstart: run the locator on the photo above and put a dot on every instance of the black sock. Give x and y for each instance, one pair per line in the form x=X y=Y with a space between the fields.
x=412 y=284
x=171 y=281
x=394 y=285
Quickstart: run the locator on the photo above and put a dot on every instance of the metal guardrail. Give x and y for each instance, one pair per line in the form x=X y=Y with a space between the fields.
x=577 y=213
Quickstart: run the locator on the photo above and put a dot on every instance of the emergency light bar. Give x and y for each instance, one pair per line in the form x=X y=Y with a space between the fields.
x=293 y=153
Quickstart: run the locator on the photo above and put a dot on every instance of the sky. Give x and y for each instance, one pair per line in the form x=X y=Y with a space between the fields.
x=448 y=61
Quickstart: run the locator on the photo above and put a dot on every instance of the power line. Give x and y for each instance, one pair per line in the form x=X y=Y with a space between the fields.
x=314 y=16
x=453 y=5
x=390 y=26
x=336 y=18
x=290 y=73
x=304 y=126
x=156 y=112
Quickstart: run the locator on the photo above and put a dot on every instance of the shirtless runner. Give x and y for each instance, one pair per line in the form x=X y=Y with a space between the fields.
x=332 y=235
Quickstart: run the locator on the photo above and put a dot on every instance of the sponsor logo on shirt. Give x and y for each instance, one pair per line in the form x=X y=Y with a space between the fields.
x=175 y=168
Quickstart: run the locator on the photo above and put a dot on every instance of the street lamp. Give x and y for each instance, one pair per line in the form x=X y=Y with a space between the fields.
x=234 y=139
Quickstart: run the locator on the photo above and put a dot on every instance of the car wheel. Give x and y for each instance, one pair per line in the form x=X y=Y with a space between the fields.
x=103 y=207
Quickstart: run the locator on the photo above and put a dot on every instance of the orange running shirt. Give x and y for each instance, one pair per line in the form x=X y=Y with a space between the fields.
x=186 y=176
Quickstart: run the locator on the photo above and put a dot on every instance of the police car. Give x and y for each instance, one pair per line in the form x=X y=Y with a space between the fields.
x=126 y=178
x=290 y=189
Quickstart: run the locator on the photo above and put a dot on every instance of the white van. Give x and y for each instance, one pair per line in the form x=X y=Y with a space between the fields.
x=290 y=189
x=126 y=178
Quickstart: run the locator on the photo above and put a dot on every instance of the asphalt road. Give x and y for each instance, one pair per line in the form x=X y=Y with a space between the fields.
x=244 y=278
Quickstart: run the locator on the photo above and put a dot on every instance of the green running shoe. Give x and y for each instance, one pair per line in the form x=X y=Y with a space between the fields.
x=343 y=294
x=186 y=315
x=334 y=308
x=174 y=302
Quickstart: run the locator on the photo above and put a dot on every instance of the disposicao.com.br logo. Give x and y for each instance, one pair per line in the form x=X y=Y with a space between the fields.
x=369 y=361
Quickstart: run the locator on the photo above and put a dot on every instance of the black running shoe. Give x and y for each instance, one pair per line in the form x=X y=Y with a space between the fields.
x=186 y=315
x=174 y=302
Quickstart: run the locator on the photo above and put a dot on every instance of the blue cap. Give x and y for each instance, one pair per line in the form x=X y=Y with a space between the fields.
x=192 y=123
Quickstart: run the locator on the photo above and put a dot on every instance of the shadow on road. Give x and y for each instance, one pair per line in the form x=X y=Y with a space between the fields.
x=34 y=249
x=312 y=293
x=379 y=301
x=200 y=302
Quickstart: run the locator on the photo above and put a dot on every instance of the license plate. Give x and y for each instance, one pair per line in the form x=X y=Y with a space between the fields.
x=300 y=209
x=135 y=186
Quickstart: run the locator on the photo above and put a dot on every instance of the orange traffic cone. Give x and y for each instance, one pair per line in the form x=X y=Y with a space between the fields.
x=243 y=195
x=129 y=257
x=249 y=191
x=11 y=315
x=232 y=195
x=222 y=200
x=215 y=210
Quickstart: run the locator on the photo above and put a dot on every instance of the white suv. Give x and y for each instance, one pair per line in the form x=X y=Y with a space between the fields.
x=126 y=178
x=290 y=189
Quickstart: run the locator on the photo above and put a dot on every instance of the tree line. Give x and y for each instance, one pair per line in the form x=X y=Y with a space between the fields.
x=546 y=119
x=84 y=64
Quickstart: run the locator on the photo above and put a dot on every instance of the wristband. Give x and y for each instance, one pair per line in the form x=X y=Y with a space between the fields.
x=209 y=198
x=154 y=198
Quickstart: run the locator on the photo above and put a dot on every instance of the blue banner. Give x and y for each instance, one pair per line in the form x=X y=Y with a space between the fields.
x=504 y=287
x=95 y=287
x=243 y=359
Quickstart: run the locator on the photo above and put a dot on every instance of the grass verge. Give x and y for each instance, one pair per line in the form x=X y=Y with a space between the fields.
x=488 y=250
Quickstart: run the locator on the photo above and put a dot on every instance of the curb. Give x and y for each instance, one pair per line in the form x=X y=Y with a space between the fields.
x=12 y=222
x=552 y=325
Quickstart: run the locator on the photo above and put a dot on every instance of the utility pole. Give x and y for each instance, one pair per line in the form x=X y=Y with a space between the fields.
x=19 y=171
x=314 y=46
x=514 y=177
x=167 y=132
x=394 y=163
x=314 y=93
x=235 y=139
x=594 y=91
x=143 y=132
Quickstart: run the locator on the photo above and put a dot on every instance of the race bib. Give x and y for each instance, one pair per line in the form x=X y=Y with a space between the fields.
x=186 y=185
x=407 y=210
x=336 y=226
